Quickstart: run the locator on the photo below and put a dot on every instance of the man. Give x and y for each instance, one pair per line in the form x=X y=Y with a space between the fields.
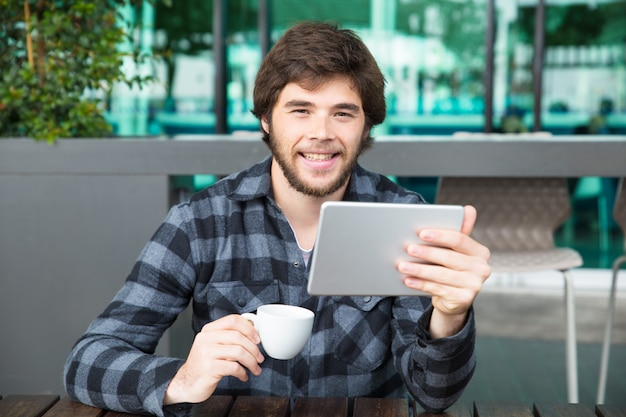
x=246 y=241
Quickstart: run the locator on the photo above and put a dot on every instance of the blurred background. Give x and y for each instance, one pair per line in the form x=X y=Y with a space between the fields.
x=433 y=53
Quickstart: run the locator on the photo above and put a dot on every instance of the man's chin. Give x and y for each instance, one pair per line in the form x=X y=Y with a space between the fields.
x=317 y=190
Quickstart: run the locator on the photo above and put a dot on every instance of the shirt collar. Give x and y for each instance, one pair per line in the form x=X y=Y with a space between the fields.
x=252 y=183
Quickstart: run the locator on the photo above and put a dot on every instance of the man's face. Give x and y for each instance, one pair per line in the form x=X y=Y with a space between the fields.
x=317 y=135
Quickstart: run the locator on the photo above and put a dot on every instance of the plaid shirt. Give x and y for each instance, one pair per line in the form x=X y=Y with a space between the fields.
x=229 y=250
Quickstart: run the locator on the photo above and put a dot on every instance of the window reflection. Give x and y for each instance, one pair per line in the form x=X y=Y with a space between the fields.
x=432 y=53
x=584 y=82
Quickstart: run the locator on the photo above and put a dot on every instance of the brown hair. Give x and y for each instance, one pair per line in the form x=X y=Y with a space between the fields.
x=310 y=53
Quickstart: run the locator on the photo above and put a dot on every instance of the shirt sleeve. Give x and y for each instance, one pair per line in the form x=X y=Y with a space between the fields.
x=113 y=365
x=435 y=371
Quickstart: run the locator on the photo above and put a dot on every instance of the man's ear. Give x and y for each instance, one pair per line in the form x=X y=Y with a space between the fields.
x=265 y=124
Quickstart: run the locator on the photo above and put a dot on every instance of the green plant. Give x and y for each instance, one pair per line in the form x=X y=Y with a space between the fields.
x=54 y=55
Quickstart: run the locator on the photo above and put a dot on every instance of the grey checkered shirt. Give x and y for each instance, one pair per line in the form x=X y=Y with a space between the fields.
x=229 y=250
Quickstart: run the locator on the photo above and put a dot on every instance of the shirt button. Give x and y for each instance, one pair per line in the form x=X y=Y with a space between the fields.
x=241 y=302
x=296 y=264
x=367 y=299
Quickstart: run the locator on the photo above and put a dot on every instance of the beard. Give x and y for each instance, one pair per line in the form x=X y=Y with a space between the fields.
x=286 y=163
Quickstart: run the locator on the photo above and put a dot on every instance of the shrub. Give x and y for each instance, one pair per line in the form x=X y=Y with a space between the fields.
x=59 y=60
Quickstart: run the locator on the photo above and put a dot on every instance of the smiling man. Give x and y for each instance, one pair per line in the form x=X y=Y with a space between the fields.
x=246 y=241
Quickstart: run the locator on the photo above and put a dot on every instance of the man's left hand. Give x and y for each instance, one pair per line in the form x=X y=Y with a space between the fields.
x=452 y=267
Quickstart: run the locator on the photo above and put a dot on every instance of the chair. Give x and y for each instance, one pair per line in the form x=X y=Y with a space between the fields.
x=619 y=214
x=601 y=191
x=516 y=220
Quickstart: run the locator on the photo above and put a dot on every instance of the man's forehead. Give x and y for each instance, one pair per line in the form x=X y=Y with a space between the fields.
x=340 y=85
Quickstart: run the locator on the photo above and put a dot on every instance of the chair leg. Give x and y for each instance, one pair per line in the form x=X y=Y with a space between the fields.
x=603 y=226
x=606 y=345
x=571 y=356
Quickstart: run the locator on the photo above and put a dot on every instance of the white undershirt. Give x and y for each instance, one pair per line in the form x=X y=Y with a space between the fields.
x=306 y=254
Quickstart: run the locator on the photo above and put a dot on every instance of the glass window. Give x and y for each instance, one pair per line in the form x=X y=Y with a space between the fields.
x=435 y=67
x=432 y=53
x=584 y=77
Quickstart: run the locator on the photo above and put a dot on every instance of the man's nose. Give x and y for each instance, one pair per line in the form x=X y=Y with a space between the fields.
x=321 y=128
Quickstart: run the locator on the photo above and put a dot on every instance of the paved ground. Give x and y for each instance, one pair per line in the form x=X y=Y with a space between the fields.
x=521 y=350
x=541 y=315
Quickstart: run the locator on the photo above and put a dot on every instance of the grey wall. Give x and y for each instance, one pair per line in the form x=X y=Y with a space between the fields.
x=66 y=245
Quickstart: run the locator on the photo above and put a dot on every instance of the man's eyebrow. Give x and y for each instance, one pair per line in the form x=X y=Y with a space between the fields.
x=348 y=106
x=298 y=103
x=340 y=106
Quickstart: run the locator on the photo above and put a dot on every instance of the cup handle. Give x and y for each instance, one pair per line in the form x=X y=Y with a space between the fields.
x=250 y=316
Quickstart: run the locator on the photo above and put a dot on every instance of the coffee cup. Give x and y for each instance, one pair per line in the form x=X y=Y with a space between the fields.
x=284 y=329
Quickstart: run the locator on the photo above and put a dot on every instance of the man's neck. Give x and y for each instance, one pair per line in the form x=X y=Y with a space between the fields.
x=302 y=211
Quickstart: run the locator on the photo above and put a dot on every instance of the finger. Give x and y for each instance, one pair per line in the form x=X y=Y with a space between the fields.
x=224 y=368
x=454 y=240
x=236 y=338
x=231 y=330
x=469 y=220
x=454 y=296
x=235 y=354
x=464 y=274
x=427 y=254
x=230 y=345
x=429 y=273
x=448 y=258
x=450 y=299
x=467 y=276
x=234 y=322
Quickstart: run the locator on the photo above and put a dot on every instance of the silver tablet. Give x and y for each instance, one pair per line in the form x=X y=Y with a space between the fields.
x=359 y=245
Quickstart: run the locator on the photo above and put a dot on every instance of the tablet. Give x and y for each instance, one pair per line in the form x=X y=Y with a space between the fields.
x=359 y=244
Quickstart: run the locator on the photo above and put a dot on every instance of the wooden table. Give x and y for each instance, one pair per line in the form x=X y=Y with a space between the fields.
x=226 y=406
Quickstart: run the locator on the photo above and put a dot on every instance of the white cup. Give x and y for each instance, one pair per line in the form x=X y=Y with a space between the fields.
x=284 y=329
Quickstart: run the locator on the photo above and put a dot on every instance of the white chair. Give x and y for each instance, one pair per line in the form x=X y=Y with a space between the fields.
x=619 y=214
x=517 y=218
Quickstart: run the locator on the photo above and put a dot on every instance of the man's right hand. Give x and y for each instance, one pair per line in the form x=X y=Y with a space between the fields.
x=225 y=347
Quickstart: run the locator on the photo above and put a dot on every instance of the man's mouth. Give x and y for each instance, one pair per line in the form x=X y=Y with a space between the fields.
x=318 y=156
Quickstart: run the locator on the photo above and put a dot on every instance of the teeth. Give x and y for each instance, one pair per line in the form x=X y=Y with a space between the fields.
x=318 y=156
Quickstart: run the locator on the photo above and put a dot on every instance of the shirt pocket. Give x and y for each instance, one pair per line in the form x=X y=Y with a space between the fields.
x=224 y=298
x=363 y=331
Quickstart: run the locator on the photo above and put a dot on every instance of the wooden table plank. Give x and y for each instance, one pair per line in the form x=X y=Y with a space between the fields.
x=215 y=406
x=562 y=410
x=456 y=410
x=501 y=409
x=603 y=410
x=26 y=405
x=381 y=407
x=320 y=406
x=261 y=407
x=66 y=407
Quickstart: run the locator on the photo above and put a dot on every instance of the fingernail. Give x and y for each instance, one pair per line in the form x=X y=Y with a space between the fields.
x=427 y=235
x=415 y=250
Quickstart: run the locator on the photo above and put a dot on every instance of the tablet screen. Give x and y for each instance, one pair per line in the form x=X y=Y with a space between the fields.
x=359 y=244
